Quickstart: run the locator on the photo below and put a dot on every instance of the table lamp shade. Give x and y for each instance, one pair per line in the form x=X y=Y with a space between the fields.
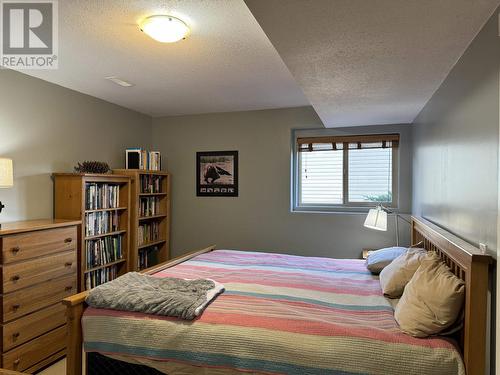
x=376 y=219
x=6 y=173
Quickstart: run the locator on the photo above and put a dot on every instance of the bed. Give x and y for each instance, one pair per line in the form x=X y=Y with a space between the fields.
x=287 y=315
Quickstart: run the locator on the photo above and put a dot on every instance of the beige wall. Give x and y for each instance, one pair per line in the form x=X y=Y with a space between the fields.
x=260 y=218
x=46 y=128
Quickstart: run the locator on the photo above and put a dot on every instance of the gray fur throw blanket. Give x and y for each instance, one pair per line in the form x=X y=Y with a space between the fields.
x=185 y=299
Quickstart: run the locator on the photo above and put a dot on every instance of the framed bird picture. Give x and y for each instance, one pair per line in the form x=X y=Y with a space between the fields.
x=217 y=174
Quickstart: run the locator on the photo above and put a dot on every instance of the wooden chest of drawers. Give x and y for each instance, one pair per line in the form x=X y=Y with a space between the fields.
x=38 y=269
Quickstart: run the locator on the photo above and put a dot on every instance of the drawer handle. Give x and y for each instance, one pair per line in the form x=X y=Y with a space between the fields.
x=68 y=240
x=15 y=335
x=16 y=306
x=68 y=264
x=68 y=288
x=15 y=250
x=16 y=362
x=16 y=277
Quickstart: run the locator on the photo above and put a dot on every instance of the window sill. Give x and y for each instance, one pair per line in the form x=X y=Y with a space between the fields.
x=337 y=210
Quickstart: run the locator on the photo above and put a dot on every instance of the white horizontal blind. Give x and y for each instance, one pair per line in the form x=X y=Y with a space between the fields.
x=370 y=175
x=320 y=180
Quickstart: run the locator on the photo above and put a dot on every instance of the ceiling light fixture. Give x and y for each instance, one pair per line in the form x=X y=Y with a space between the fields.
x=119 y=81
x=164 y=29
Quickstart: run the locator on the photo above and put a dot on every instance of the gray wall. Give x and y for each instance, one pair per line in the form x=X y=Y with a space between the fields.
x=46 y=128
x=456 y=145
x=260 y=218
x=455 y=165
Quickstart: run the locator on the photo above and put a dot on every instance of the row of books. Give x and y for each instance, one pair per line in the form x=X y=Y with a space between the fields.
x=148 y=232
x=99 y=195
x=137 y=158
x=101 y=222
x=154 y=161
x=103 y=251
x=98 y=277
x=149 y=206
x=151 y=184
x=148 y=257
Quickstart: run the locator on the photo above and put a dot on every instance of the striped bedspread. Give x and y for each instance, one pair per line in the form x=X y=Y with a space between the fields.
x=280 y=314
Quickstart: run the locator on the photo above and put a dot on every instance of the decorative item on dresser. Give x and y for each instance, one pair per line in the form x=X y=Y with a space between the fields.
x=102 y=203
x=149 y=217
x=39 y=269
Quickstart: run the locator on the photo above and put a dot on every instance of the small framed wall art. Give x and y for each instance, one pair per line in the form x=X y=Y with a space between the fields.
x=217 y=174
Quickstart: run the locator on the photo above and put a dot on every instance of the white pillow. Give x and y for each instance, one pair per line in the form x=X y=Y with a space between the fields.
x=377 y=260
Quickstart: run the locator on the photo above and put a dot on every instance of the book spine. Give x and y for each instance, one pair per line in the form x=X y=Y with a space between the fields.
x=147 y=257
x=102 y=251
x=148 y=160
x=151 y=184
x=149 y=206
x=98 y=277
x=101 y=195
x=97 y=223
x=154 y=160
x=148 y=232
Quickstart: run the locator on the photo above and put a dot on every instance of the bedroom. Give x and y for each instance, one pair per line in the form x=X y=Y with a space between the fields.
x=254 y=76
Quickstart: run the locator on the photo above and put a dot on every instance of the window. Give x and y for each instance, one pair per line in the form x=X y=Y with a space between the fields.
x=346 y=171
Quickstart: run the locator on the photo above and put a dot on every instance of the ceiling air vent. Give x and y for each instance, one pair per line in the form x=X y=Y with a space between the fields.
x=119 y=81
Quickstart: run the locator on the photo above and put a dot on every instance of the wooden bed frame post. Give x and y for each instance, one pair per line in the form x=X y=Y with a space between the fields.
x=75 y=306
x=476 y=301
x=470 y=265
x=74 y=311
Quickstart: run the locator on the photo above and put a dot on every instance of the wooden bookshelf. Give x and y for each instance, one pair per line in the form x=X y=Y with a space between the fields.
x=160 y=216
x=70 y=203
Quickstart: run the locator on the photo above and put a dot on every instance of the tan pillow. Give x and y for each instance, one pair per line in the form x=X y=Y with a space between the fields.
x=395 y=276
x=432 y=300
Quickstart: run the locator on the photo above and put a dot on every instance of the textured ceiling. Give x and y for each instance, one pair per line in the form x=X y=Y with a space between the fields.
x=370 y=61
x=357 y=61
x=227 y=63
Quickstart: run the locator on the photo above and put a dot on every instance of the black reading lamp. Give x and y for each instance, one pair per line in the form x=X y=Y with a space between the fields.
x=6 y=176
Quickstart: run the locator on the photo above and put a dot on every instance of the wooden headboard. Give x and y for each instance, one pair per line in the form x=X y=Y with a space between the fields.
x=470 y=265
